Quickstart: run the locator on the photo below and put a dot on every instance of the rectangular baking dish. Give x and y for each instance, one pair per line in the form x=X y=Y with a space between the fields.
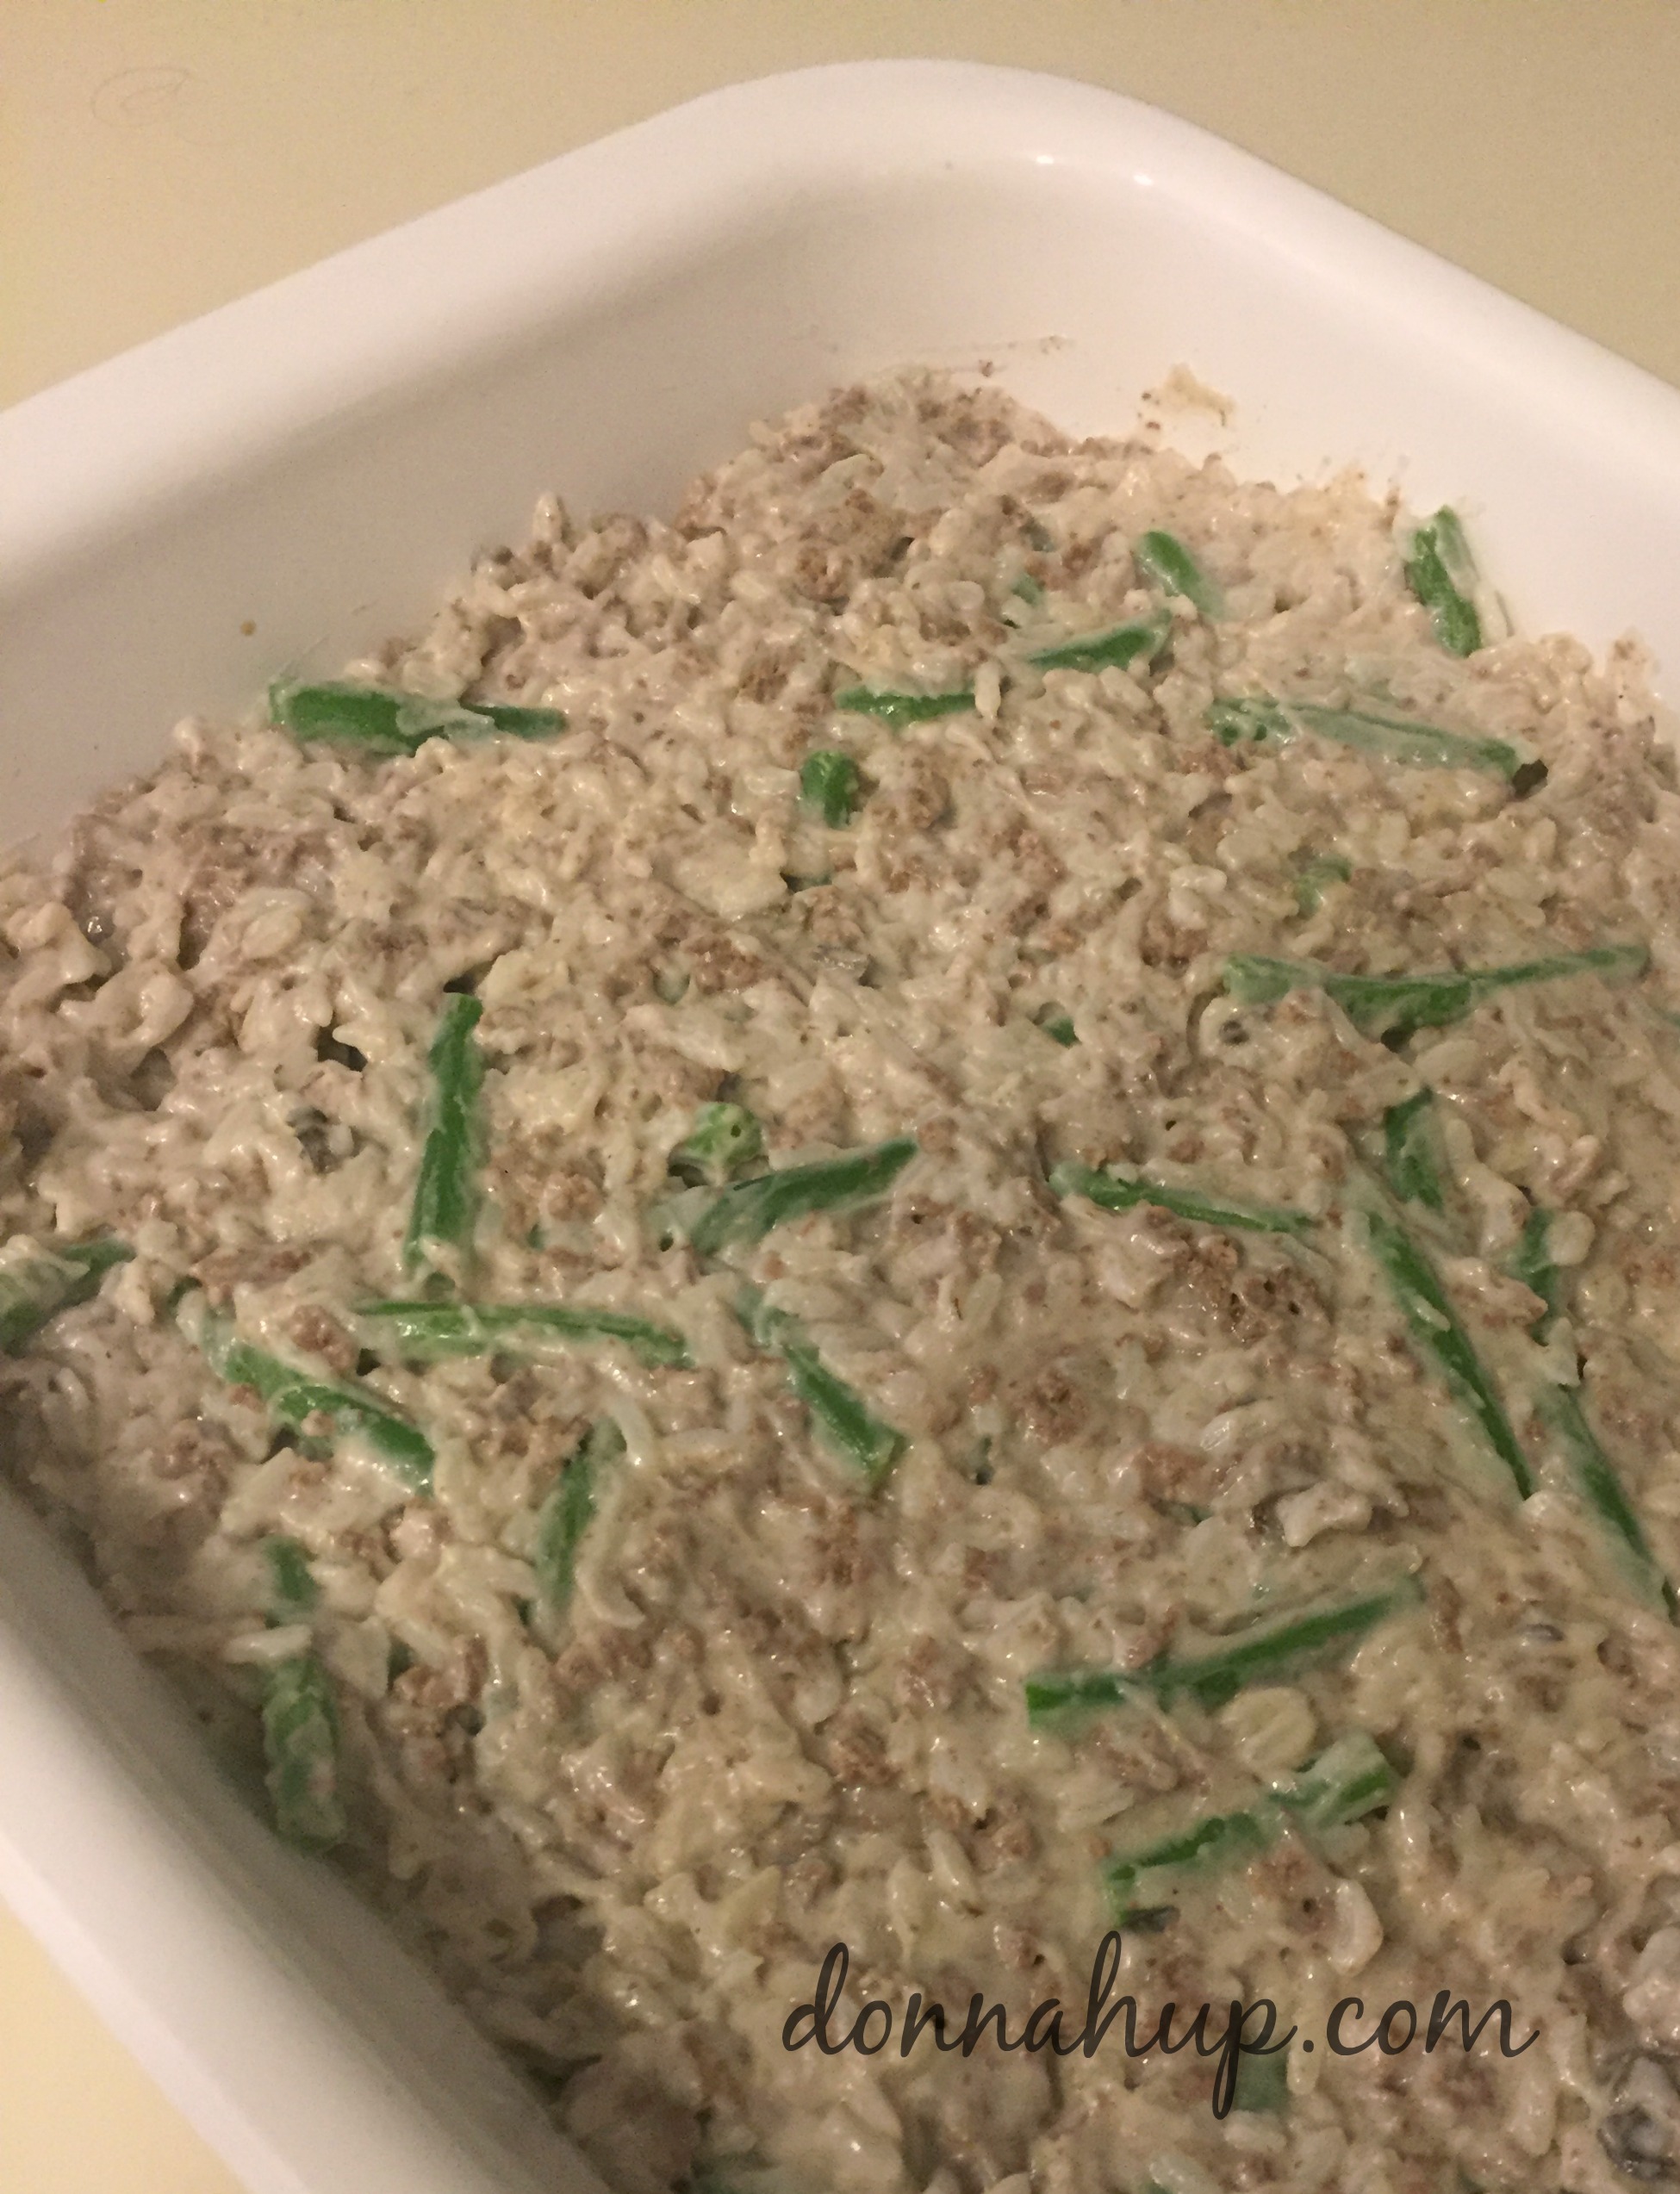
x=278 y=485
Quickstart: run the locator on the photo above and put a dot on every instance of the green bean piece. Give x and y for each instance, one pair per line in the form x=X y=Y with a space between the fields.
x=900 y=709
x=1442 y=573
x=517 y=720
x=1454 y=549
x=1115 y=647
x=1561 y=1412
x=1164 y=558
x=301 y=1738
x=1234 y=721
x=1409 y=1152
x=1253 y=1656
x=564 y=1515
x=292 y=1397
x=1531 y=1263
x=293 y=1591
x=1379 y=1005
x=1029 y=589
x=1262 y=2083
x=745 y=1212
x=446 y=1191
x=1349 y=1778
x=839 y=1416
x=1316 y=880
x=829 y=786
x=381 y=722
x=1057 y=1024
x=725 y=1139
x=1395 y=1006
x=1441 y=1341
x=424 y=1330
x=36 y=1289
x=1396 y=738
x=1247 y=1656
x=1144 y=1881
x=1116 y=1192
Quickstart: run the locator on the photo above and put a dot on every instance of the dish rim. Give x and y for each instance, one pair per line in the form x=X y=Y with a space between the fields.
x=115 y=447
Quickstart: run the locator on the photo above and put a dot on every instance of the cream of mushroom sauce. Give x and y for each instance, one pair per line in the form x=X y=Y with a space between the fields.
x=783 y=1710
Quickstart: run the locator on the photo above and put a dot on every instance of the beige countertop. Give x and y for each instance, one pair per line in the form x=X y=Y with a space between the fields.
x=160 y=157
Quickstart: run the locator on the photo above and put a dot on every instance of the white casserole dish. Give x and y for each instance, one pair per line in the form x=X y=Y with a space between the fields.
x=317 y=461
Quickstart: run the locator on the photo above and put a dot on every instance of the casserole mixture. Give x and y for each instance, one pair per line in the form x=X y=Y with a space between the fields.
x=994 y=1253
